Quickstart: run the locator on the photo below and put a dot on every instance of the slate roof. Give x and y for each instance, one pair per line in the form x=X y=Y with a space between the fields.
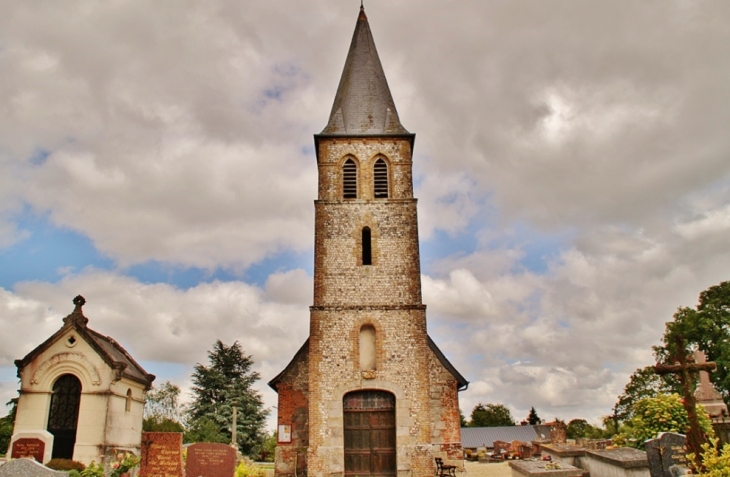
x=363 y=105
x=473 y=437
x=109 y=350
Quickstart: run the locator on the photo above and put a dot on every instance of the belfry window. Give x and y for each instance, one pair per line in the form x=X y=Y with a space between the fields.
x=380 y=179
x=367 y=251
x=128 y=401
x=349 y=180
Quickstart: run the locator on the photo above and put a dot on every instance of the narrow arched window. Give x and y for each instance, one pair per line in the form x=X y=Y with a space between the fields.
x=349 y=180
x=367 y=348
x=367 y=250
x=380 y=179
x=128 y=404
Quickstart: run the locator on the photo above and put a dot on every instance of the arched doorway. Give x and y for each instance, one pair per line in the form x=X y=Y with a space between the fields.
x=369 y=425
x=63 y=415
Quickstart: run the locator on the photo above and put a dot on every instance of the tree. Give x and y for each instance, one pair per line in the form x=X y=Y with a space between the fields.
x=227 y=382
x=663 y=413
x=706 y=327
x=644 y=383
x=162 y=409
x=491 y=415
x=6 y=426
x=462 y=419
x=533 y=418
x=578 y=428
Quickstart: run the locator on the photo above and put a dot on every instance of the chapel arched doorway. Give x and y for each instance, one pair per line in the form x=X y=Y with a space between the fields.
x=369 y=425
x=63 y=415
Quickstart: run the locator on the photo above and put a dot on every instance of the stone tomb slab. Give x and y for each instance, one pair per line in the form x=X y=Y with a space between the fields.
x=35 y=444
x=161 y=455
x=666 y=454
x=623 y=457
x=537 y=468
x=210 y=460
x=28 y=468
x=616 y=462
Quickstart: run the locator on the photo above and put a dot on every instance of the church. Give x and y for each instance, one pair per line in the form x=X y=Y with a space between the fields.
x=369 y=392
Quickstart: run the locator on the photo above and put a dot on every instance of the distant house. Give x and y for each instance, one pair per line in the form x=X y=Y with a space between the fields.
x=483 y=437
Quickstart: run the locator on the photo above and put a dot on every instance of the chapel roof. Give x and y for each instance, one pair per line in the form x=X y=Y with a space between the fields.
x=363 y=105
x=106 y=347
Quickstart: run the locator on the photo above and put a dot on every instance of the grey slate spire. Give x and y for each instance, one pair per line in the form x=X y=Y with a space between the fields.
x=363 y=105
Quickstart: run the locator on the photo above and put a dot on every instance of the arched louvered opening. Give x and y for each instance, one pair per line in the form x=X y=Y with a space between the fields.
x=128 y=402
x=367 y=251
x=349 y=180
x=380 y=179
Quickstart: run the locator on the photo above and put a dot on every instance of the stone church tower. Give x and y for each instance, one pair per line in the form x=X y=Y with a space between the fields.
x=369 y=393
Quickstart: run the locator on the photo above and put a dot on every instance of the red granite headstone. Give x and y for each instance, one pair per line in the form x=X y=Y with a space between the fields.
x=210 y=460
x=28 y=447
x=161 y=454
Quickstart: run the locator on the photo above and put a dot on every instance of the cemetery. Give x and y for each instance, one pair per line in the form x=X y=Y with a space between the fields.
x=369 y=393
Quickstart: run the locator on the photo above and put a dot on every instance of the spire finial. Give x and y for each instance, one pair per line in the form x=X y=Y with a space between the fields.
x=77 y=316
x=361 y=5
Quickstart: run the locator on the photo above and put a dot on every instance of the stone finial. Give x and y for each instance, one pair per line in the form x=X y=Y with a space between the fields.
x=77 y=316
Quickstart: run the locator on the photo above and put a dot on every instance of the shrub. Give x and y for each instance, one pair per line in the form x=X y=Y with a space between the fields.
x=716 y=464
x=664 y=413
x=65 y=464
x=93 y=470
x=246 y=468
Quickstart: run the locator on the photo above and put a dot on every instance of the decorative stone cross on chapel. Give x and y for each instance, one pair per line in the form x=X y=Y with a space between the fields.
x=686 y=368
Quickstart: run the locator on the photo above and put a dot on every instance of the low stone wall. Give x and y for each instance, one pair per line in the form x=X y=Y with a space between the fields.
x=564 y=453
x=617 y=462
x=610 y=462
x=539 y=468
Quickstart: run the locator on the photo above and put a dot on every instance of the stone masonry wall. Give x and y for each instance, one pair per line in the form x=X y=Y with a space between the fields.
x=293 y=409
x=395 y=151
x=446 y=431
x=393 y=278
x=402 y=363
x=385 y=295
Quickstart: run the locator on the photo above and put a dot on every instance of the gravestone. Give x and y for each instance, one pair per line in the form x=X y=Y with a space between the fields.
x=706 y=394
x=28 y=468
x=28 y=447
x=161 y=455
x=210 y=460
x=35 y=444
x=667 y=455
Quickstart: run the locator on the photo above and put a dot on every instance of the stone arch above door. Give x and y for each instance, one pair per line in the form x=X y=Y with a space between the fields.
x=66 y=363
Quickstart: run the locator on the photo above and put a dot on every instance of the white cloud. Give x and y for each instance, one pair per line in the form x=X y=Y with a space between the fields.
x=182 y=133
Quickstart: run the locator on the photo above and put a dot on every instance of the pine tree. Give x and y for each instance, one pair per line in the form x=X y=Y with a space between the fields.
x=532 y=418
x=227 y=382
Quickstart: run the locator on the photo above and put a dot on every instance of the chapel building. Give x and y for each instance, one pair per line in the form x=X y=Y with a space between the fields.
x=82 y=395
x=369 y=393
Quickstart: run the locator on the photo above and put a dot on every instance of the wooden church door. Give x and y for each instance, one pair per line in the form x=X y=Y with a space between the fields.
x=369 y=425
x=64 y=414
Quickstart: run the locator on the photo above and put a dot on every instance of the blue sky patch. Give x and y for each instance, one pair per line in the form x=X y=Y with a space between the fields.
x=39 y=157
x=259 y=272
x=48 y=253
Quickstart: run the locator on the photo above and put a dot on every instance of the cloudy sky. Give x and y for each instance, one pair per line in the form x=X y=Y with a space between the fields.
x=572 y=166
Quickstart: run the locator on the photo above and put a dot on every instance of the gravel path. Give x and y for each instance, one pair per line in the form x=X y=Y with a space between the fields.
x=475 y=469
